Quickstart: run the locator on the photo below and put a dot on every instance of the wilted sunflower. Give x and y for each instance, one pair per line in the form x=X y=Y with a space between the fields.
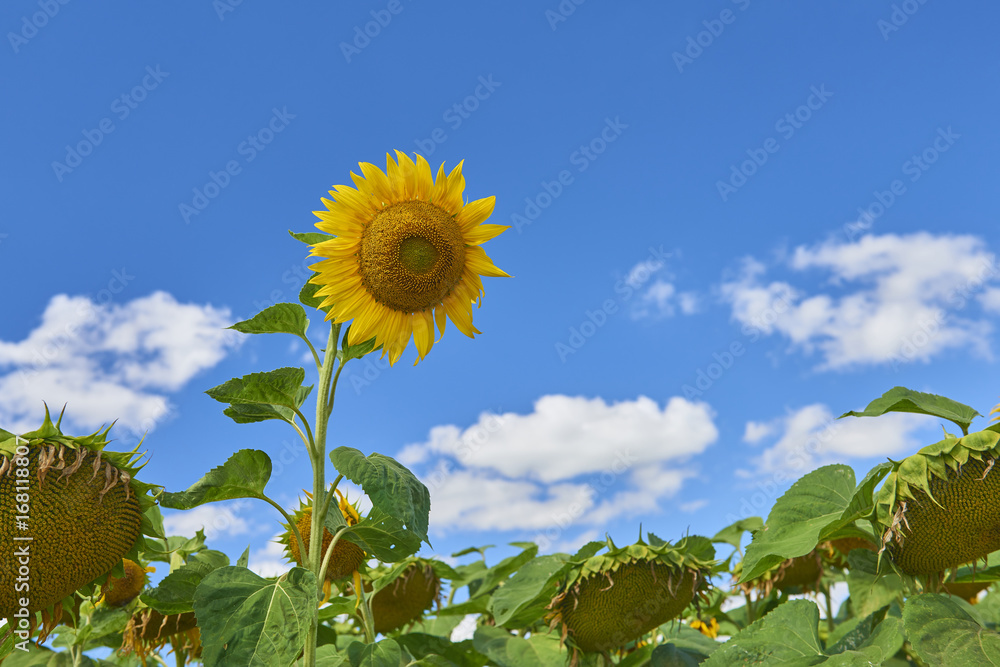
x=406 y=254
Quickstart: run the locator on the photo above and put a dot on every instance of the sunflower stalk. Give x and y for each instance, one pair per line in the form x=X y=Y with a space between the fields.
x=317 y=454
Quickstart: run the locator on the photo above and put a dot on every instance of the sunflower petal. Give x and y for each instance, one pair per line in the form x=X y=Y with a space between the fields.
x=477 y=260
x=483 y=233
x=475 y=213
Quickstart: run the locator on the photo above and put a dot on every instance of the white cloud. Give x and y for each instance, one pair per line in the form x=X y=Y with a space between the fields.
x=109 y=361
x=902 y=299
x=567 y=436
x=217 y=519
x=810 y=437
x=571 y=461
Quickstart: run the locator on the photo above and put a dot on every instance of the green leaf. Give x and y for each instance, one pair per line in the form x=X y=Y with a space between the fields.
x=434 y=649
x=811 y=509
x=310 y=238
x=787 y=636
x=281 y=387
x=247 y=620
x=175 y=593
x=244 y=475
x=901 y=399
x=383 y=536
x=392 y=488
x=328 y=656
x=507 y=650
x=733 y=533
x=940 y=632
x=244 y=558
x=870 y=591
x=528 y=584
x=385 y=653
x=484 y=582
x=348 y=352
x=287 y=318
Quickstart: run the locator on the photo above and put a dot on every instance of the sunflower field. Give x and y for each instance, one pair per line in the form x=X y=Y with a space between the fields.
x=915 y=543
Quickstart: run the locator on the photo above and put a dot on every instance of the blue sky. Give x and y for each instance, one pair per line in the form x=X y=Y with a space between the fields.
x=732 y=222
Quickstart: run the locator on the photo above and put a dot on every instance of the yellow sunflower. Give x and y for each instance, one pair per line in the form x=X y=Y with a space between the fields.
x=406 y=254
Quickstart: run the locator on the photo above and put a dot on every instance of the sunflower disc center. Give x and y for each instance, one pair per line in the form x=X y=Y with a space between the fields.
x=412 y=253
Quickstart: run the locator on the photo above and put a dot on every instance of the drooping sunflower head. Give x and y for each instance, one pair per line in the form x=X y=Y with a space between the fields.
x=609 y=600
x=405 y=254
x=940 y=507
x=801 y=573
x=119 y=591
x=83 y=508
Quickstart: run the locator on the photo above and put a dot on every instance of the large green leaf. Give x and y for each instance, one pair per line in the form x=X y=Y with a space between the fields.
x=688 y=640
x=175 y=593
x=878 y=630
x=940 y=632
x=288 y=318
x=787 y=636
x=484 y=582
x=532 y=581
x=901 y=399
x=669 y=655
x=811 y=509
x=392 y=488
x=248 y=620
x=328 y=656
x=281 y=387
x=434 y=648
x=243 y=475
x=382 y=536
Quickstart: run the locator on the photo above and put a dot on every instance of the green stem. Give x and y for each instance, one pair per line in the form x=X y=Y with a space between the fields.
x=749 y=600
x=829 y=609
x=317 y=455
x=291 y=523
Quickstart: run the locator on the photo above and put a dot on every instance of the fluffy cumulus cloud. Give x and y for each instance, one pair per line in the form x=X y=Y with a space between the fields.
x=109 y=361
x=216 y=519
x=572 y=461
x=809 y=437
x=886 y=299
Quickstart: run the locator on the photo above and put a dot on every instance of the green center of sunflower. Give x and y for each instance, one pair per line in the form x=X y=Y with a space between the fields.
x=412 y=253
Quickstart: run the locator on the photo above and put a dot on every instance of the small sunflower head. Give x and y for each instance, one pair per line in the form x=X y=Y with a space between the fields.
x=148 y=631
x=347 y=557
x=404 y=254
x=119 y=591
x=406 y=597
x=801 y=572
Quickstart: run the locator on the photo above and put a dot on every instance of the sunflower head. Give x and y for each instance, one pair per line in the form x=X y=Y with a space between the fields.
x=86 y=511
x=404 y=254
x=609 y=600
x=347 y=557
x=119 y=591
